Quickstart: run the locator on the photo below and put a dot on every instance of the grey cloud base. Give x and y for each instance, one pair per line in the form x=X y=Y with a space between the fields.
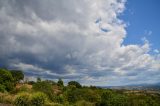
x=59 y=38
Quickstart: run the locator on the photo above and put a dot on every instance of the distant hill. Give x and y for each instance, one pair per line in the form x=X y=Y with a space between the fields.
x=155 y=86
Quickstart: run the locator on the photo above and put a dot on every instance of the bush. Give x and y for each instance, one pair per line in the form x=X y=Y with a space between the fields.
x=6 y=98
x=38 y=99
x=84 y=103
x=22 y=99
x=9 y=86
x=2 y=88
x=91 y=95
x=9 y=99
x=74 y=95
x=59 y=99
x=44 y=87
x=23 y=88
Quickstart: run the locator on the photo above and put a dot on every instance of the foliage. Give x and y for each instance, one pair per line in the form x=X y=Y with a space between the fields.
x=6 y=79
x=74 y=95
x=38 y=79
x=51 y=82
x=84 y=103
x=44 y=87
x=91 y=95
x=47 y=93
x=6 y=98
x=74 y=83
x=2 y=88
x=9 y=86
x=23 y=88
x=31 y=82
x=22 y=99
x=38 y=99
x=60 y=82
x=59 y=99
x=5 y=75
x=17 y=75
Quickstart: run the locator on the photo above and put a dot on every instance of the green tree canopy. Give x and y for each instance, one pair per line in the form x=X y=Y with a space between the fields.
x=17 y=75
x=74 y=83
x=38 y=79
x=6 y=79
x=60 y=82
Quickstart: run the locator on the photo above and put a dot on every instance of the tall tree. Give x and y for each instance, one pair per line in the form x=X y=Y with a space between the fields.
x=6 y=79
x=38 y=79
x=17 y=75
x=60 y=82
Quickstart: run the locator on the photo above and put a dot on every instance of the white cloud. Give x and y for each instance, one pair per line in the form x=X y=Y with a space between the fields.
x=61 y=39
x=156 y=50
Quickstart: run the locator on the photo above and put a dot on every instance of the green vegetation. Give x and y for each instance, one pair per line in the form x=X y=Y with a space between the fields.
x=74 y=83
x=38 y=99
x=60 y=82
x=50 y=93
x=6 y=80
x=45 y=87
x=17 y=75
x=22 y=99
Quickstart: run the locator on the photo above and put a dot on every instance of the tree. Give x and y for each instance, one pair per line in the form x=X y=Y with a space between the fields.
x=38 y=79
x=60 y=82
x=74 y=83
x=6 y=79
x=31 y=82
x=17 y=75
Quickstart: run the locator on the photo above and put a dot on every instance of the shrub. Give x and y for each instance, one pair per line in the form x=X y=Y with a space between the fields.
x=84 y=103
x=74 y=95
x=23 y=88
x=38 y=99
x=6 y=98
x=59 y=99
x=22 y=99
x=9 y=86
x=44 y=87
x=9 y=99
x=91 y=95
x=119 y=100
x=2 y=88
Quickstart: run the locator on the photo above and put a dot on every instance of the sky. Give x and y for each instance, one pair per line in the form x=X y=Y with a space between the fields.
x=142 y=18
x=94 y=42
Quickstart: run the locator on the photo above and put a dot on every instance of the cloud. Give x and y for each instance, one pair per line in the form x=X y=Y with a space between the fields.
x=156 y=50
x=65 y=39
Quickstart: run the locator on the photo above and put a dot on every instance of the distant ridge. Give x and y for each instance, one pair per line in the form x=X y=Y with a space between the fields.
x=144 y=86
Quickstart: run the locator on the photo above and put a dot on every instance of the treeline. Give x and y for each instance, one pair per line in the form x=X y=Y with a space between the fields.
x=9 y=79
x=51 y=93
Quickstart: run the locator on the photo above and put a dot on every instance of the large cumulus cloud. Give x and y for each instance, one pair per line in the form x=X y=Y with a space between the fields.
x=73 y=39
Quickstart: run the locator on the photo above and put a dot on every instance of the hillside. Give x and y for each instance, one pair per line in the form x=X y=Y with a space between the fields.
x=16 y=92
